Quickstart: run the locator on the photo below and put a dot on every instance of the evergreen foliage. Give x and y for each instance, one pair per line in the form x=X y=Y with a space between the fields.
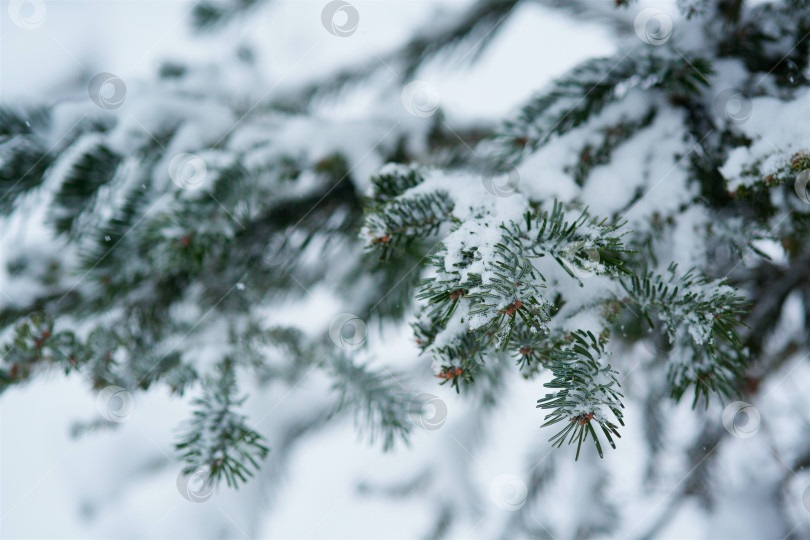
x=155 y=272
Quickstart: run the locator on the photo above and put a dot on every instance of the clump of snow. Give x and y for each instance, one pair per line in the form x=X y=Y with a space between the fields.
x=778 y=131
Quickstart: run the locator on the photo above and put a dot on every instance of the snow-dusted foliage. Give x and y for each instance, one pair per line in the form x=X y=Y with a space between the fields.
x=634 y=235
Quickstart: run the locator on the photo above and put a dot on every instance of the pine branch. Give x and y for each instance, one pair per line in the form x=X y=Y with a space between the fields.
x=768 y=38
x=23 y=162
x=461 y=359
x=588 y=392
x=94 y=168
x=497 y=294
x=394 y=218
x=106 y=356
x=394 y=180
x=585 y=244
x=404 y=220
x=99 y=256
x=591 y=156
x=478 y=26
x=702 y=316
x=379 y=402
x=13 y=123
x=102 y=356
x=586 y=90
x=511 y=290
x=216 y=437
x=534 y=351
x=35 y=344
